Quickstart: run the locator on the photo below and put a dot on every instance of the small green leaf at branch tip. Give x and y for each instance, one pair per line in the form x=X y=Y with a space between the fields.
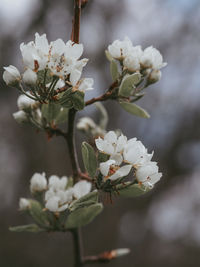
x=83 y=216
x=87 y=200
x=78 y=100
x=132 y=190
x=128 y=84
x=33 y=228
x=89 y=159
x=134 y=109
x=38 y=214
x=108 y=55
x=114 y=70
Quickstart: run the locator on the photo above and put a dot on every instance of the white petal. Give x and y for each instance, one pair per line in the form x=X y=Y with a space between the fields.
x=123 y=171
x=105 y=166
x=81 y=188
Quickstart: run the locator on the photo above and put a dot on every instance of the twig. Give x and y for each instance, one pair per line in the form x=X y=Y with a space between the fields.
x=105 y=96
x=77 y=248
x=76 y=21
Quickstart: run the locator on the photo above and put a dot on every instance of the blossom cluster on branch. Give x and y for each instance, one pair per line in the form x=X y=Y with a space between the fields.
x=52 y=92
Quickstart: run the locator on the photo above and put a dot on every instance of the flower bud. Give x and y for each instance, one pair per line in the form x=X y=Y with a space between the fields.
x=24 y=102
x=20 y=116
x=29 y=77
x=11 y=75
x=38 y=183
x=154 y=76
x=24 y=204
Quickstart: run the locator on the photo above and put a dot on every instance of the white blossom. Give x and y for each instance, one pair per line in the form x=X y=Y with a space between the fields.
x=119 y=49
x=24 y=204
x=56 y=183
x=29 y=77
x=86 y=84
x=11 y=75
x=152 y=58
x=111 y=144
x=131 y=63
x=110 y=170
x=24 y=102
x=20 y=116
x=85 y=124
x=81 y=189
x=135 y=153
x=58 y=197
x=148 y=174
x=38 y=183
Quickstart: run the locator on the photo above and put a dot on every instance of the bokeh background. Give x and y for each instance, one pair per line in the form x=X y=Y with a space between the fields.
x=163 y=227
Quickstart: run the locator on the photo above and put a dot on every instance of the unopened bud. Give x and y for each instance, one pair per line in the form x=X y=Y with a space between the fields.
x=154 y=76
x=24 y=102
x=20 y=116
x=29 y=77
x=24 y=204
x=11 y=75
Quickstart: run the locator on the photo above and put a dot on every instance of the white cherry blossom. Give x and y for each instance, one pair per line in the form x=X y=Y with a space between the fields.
x=24 y=204
x=29 y=77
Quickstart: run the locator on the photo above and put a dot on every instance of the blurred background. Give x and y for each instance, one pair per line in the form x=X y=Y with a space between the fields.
x=162 y=228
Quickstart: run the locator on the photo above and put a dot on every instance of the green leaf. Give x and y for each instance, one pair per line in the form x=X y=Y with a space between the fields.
x=86 y=200
x=108 y=55
x=33 y=228
x=89 y=159
x=62 y=115
x=54 y=113
x=114 y=70
x=134 y=109
x=102 y=157
x=83 y=216
x=38 y=214
x=128 y=84
x=65 y=98
x=133 y=190
x=103 y=115
x=78 y=100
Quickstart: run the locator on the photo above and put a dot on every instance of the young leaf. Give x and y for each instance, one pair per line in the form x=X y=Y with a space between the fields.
x=108 y=55
x=83 y=216
x=128 y=83
x=78 y=100
x=89 y=159
x=134 y=109
x=114 y=70
x=86 y=200
x=62 y=115
x=103 y=115
x=133 y=190
x=38 y=214
x=33 y=228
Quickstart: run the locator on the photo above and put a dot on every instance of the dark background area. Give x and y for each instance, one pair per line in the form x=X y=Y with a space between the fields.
x=163 y=227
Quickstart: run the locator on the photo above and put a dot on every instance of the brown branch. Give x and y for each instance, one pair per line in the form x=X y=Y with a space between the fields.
x=105 y=96
x=83 y=3
x=76 y=21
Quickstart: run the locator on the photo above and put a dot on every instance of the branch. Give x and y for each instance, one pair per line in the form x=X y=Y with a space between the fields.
x=105 y=96
x=77 y=248
x=76 y=21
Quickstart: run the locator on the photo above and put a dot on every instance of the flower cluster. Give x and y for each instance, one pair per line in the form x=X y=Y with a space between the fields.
x=124 y=155
x=134 y=59
x=49 y=66
x=58 y=194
